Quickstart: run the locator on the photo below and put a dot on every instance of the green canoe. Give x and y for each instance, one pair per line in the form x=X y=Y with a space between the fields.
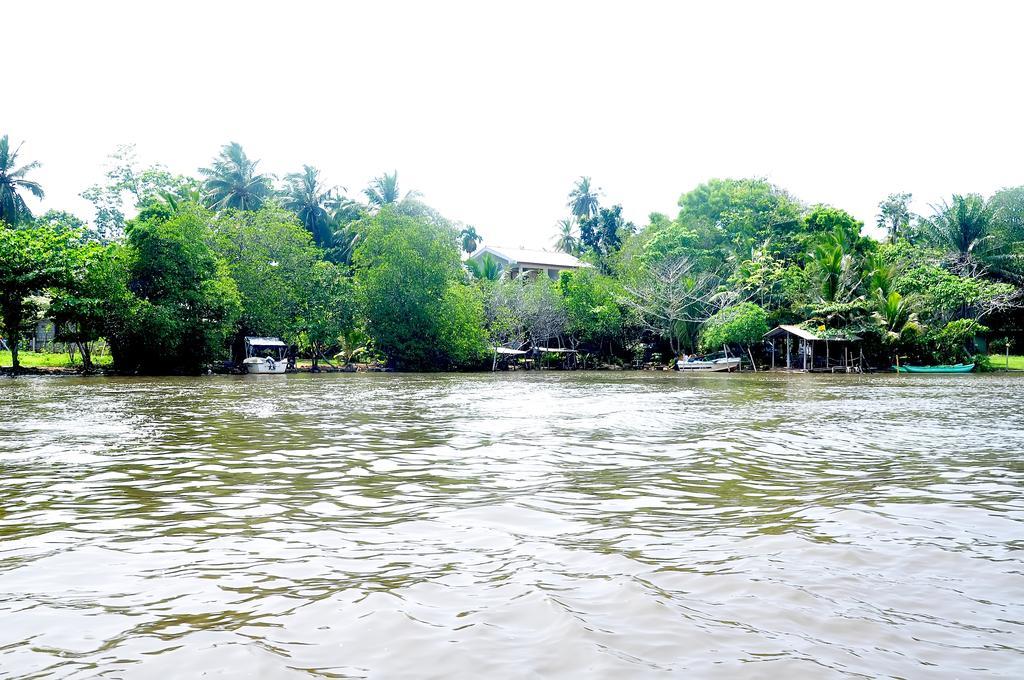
x=955 y=368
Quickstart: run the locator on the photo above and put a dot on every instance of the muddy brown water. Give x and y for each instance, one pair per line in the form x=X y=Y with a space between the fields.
x=617 y=525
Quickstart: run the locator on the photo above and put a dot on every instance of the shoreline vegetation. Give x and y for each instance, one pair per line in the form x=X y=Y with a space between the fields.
x=60 y=364
x=172 y=272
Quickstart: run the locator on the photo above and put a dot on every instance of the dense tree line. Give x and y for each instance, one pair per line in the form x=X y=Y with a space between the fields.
x=173 y=272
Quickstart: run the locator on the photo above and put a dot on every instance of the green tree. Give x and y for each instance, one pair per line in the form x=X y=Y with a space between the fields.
x=404 y=267
x=895 y=318
x=894 y=216
x=603 y=233
x=834 y=270
x=13 y=182
x=766 y=280
x=594 y=316
x=270 y=257
x=824 y=220
x=232 y=182
x=31 y=259
x=184 y=305
x=384 y=191
x=880 y=275
x=345 y=236
x=744 y=324
x=63 y=221
x=326 y=311
x=944 y=296
x=82 y=307
x=313 y=202
x=1008 y=230
x=956 y=341
x=460 y=325
x=733 y=216
x=127 y=180
x=963 y=228
x=584 y=200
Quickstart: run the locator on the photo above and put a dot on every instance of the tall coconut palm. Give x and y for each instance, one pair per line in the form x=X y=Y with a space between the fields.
x=566 y=239
x=13 y=209
x=583 y=200
x=232 y=181
x=312 y=201
x=344 y=227
x=383 y=191
x=470 y=238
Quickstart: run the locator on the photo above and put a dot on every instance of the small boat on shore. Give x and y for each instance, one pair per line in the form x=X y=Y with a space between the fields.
x=708 y=366
x=265 y=355
x=944 y=368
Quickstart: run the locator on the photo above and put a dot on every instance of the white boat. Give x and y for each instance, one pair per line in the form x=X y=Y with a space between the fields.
x=723 y=364
x=265 y=355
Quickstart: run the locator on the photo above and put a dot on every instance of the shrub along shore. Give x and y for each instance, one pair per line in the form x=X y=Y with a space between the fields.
x=208 y=260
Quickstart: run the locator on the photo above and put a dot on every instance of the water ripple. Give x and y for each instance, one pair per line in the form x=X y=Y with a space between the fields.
x=552 y=525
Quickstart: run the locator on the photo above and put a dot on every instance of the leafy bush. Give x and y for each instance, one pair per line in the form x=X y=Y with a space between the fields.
x=743 y=324
x=983 y=363
x=954 y=342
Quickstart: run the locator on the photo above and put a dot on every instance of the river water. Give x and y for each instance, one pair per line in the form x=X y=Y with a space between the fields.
x=616 y=525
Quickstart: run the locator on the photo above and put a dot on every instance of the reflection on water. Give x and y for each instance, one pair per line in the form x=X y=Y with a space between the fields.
x=609 y=525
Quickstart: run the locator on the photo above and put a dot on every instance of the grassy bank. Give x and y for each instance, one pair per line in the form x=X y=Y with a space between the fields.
x=1016 y=361
x=48 y=360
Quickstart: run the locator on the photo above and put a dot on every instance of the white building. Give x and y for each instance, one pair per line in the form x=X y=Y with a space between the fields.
x=530 y=262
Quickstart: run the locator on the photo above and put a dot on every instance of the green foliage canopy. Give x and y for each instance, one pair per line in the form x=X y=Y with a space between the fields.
x=184 y=305
x=405 y=268
x=742 y=324
x=31 y=260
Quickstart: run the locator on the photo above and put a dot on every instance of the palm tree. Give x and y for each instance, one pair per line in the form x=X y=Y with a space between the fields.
x=583 y=201
x=895 y=320
x=881 y=275
x=383 y=191
x=470 y=239
x=312 y=202
x=835 y=269
x=486 y=268
x=13 y=209
x=566 y=239
x=232 y=181
x=963 y=228
x=344 y=228
x=175 y=201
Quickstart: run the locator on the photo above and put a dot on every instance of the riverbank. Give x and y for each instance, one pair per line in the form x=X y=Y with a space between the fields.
x=60 y=364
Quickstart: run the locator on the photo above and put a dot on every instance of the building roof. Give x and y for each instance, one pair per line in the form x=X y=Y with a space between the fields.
x=799 y=332
x=506 y=350
x=521 y=256
x=264 y=342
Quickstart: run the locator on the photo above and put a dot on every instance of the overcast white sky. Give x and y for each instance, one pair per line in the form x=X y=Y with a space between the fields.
x=491 y=109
